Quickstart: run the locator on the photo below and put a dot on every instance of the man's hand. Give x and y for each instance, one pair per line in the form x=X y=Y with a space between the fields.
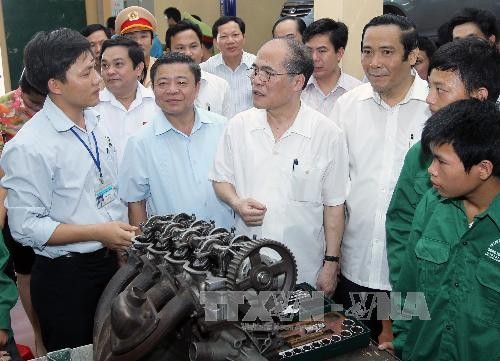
x=327 y=278
x=251 y=211
x=116 y=235
x=4 y=338
x=386 y=346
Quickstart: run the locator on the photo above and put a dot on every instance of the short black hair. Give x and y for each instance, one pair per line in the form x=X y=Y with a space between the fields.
x=92 y=28
x=484 y=19
x=110 y=22
x=472 y=127
x=224 y=20
x=176 y=58
x=476 y=61
x=180 y=27
x=301 y=25
x=298 y=59
x=49 y=55
x=25 y=85
x=337 y=32
x=135 y=52
x=173 y=13
x=409 y=36
x=427 y=45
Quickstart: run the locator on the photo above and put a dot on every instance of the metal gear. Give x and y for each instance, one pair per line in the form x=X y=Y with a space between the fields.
x=261 y=274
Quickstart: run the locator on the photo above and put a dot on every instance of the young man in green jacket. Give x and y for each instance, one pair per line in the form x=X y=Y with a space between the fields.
x=465 y=68
x=453 y=253
x=8 y=298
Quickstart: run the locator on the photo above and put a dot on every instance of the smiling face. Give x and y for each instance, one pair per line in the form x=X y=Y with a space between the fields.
x=383 y=61
x=230 y=40
x=187 y=43
x=175 y=89
x=118 y=70
x=326 y=59
x=445 y=87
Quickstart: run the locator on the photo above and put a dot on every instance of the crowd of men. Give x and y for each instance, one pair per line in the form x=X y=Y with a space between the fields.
x=387 y=185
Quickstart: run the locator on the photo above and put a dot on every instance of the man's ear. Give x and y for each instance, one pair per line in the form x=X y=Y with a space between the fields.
x=412 y=56
x=299 y=81
x=54 y=86
x=480 y=93
x=485 y=169
x=340 y=54
x=139 y=69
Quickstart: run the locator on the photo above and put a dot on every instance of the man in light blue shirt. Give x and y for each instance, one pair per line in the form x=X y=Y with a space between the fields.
x=166 y=164
x=61 y=181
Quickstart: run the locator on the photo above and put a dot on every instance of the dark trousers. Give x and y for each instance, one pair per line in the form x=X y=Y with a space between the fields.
x=65 y=292
x=349 y=295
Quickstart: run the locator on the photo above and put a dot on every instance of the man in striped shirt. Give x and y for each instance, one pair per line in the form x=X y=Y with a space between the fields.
x=232 y=62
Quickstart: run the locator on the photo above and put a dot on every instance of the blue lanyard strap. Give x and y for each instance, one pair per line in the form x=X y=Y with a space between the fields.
x=96 y=159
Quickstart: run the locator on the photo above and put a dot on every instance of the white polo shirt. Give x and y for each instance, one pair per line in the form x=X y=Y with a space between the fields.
x=324 y=103
x=122 y=123
x=214 y=94
x=378 y=137
x=295 y=177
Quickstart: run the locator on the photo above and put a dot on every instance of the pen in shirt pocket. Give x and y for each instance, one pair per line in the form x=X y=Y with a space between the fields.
x=295 y=162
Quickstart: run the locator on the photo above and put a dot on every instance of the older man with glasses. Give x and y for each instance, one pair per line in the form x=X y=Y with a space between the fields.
x=283 y=167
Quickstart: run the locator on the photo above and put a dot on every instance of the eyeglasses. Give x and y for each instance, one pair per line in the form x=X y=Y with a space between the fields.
x=264 y=75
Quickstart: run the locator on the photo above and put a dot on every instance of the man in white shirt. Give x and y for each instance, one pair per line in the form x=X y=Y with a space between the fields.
x=125 y=104
x=185 y=37
x=62 y=190
x=282 y=166
x=327 y=39
x=381 y=120
x=232 y=62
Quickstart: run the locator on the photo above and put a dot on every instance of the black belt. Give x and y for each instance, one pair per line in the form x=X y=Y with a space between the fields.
x=103 y=252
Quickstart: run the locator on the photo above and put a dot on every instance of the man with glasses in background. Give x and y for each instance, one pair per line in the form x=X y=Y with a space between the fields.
x=283 y=167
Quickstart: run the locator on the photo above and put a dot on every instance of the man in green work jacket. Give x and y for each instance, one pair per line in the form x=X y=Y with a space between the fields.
x=453 y=253
x=8 y=298
x=462 y=69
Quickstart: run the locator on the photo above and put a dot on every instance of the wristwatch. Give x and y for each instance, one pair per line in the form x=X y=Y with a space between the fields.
x=332 y=259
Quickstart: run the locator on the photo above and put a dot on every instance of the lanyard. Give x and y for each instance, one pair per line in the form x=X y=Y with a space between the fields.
x=96 y=159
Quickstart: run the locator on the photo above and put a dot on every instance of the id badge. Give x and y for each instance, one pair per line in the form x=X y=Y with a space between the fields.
x=104 y=194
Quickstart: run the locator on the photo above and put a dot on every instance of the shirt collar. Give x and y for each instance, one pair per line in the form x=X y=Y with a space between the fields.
x=62 y=123
x=301 y=125
x=341 y=83
x=141 y=92
x=161 y=124
x=417 y=91
x=493 y=210
x=246 y=60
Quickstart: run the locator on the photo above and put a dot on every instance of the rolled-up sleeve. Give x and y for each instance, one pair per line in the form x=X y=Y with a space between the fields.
x=133 y=183
x=28 y=180
x=223 y=168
